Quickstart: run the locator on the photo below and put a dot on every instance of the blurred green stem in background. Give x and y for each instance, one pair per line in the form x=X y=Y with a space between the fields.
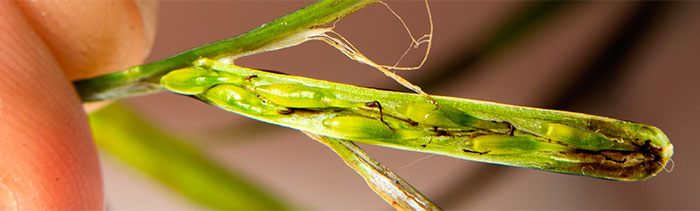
x=122 y=133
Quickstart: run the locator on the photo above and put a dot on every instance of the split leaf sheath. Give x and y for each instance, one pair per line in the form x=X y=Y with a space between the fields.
x=550 y=140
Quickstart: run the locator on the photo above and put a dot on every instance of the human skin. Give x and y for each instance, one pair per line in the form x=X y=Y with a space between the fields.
x=47 y=157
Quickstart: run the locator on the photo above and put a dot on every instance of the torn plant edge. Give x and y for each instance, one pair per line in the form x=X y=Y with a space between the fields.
x=336 y=40
x=394 y=190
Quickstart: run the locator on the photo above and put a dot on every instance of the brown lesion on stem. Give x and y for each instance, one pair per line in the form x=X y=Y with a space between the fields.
x=511 y=128
x=426 y=145
x=440 y=132
x=299 y=111
x=620 y=165
x=376 y=104
x=384 y=115
x=250 y=78
x=286 y=111
x=472 y=151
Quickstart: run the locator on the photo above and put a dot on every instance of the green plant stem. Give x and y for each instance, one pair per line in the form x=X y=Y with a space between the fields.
x=144 y=79
x=550 y=140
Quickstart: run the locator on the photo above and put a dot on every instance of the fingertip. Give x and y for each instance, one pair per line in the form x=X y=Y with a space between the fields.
x=47 y=157
x=91 y=38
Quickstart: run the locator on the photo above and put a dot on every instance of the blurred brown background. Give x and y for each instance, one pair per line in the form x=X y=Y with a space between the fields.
x=637 y=61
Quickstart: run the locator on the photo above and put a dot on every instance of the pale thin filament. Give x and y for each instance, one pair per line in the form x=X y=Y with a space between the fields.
x=673 y=165
x=346 y=47
x=352 y=53
x=415 y=43
x=416 y=161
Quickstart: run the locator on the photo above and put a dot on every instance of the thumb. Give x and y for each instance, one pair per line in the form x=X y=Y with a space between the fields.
x=47 y=157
